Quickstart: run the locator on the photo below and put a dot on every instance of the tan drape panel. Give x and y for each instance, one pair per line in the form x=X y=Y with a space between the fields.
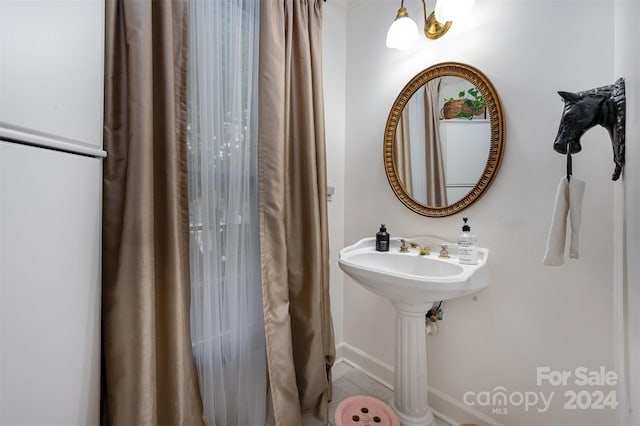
x=293 y=212
x=402 y=149
x=149 y=375
x=436 y=189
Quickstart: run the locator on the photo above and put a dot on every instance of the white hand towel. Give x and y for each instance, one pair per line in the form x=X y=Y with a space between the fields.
x=568 y=202
x=576 y=193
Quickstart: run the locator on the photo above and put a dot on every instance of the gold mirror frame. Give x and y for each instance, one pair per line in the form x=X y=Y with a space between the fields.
x=496 y=147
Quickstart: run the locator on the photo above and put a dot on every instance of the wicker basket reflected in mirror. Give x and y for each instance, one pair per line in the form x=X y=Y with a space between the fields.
x=453 y=108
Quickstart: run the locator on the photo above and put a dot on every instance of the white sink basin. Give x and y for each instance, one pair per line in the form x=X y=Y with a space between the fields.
x=412 y=283
x=410 y=278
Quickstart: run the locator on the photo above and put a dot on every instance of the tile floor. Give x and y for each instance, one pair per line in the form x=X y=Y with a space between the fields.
x=348 y=381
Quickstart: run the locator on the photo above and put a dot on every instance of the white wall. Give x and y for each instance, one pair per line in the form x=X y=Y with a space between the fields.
x=627 y=243
x=531 y=315
x=334 y=74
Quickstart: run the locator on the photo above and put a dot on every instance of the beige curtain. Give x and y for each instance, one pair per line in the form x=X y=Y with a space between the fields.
x=149 y=376
x=436 y=185
x=402 y=154
x=293 y=212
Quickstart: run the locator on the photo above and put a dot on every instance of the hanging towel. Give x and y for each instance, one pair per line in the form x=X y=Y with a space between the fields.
x=568 y=203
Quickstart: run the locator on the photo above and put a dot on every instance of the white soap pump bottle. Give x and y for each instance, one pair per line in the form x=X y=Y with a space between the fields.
x=467 y=245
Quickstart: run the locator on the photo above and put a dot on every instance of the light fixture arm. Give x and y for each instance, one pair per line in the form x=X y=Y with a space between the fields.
x=424 y=10
x=402 y=12
x=432 y=28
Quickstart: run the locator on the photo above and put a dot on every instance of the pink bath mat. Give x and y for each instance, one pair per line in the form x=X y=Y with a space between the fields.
x=364 y=411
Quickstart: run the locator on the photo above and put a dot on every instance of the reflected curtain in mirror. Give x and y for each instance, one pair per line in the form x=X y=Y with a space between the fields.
x=436 y=185
x=403 y=151
x=418 y=147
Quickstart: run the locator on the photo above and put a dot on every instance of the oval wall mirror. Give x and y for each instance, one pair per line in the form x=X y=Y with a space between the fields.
x=444 y=139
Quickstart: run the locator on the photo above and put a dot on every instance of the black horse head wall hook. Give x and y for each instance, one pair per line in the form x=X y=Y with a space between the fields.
x=605 y=106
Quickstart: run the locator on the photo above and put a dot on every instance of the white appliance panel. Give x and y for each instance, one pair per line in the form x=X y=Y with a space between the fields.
x=51 y=73
x=50 y=233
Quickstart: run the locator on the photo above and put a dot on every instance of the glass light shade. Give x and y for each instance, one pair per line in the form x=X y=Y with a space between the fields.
x=402 y=33
x=453 y=10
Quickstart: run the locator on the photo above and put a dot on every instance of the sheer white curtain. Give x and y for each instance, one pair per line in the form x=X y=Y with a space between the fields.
x=227 y=327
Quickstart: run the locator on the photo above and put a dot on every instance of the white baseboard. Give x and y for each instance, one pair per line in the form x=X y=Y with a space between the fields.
x=372 y=367
x=456 y=412
x=443 y=405
x=339 y=354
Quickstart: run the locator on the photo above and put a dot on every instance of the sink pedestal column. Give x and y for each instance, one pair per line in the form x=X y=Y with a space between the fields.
x=410 y=366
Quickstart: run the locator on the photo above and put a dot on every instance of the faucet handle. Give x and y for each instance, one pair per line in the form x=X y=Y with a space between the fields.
x=403 y=247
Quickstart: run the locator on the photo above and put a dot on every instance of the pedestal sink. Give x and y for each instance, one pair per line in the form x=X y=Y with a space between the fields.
x=412 y=283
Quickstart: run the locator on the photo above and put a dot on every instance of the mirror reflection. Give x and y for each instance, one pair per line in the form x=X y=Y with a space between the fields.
x=443 y=140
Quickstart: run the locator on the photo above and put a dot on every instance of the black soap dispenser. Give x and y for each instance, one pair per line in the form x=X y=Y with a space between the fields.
x=382 y=239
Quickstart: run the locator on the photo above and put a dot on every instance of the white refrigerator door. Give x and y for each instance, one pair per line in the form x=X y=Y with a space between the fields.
x=50 y=234
x=51 y=73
